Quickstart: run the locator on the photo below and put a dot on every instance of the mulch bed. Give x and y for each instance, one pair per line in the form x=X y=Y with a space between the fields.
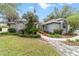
x=63 y=36
x=69 y=35
x=44 y=33
x=71 y=43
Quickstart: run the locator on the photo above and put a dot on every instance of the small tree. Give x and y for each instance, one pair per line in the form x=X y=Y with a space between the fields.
x=31 y=25
x=74 y=22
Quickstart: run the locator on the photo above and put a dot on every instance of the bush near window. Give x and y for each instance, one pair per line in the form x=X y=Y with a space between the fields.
x=58 y=31
x=12 y=30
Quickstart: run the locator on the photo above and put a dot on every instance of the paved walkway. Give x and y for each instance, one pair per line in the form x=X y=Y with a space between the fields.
x=64 y=49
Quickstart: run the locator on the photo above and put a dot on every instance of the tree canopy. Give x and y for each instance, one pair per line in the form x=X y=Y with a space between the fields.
x=30 y=16
x=32 y=19
x=73 y=21
x=64 y=12
x=9 y=10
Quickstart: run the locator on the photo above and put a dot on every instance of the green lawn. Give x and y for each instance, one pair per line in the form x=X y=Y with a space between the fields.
x=19 y=46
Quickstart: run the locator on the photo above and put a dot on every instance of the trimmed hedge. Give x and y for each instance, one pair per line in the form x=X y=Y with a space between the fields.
x=7 y=33
x=58 y=31
x=55 y=35
x=69 y=40
x=12 y=30
x=26 y=35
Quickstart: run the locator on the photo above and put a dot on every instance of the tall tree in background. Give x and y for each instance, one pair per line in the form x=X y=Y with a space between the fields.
x=9 y=10
x=60 y=13
x=65 y=11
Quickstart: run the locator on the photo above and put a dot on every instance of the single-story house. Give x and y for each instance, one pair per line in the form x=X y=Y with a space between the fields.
x=53 y=24
x=3 y=27
x=18 y=24
x=3 y=24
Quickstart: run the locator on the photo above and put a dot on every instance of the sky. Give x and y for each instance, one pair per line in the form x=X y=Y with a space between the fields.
x=42 y=9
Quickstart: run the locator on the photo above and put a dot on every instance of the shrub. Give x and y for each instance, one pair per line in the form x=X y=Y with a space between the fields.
x=21 y=32
x=77 y=40
x=31 y=29
x=69 y=40
x=7 y=33
x=12 y=30
x=0 y=29
x=70 y=32
x=33 y=36
x=58 y=31
x=56 y=35
x=4 y=33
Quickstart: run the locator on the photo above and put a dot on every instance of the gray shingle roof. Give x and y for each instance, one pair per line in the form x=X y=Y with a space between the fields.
x=20 y=20
x=54 y=21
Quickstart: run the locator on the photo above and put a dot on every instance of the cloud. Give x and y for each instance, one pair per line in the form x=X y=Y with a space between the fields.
x=31 y=7
x=44 y=5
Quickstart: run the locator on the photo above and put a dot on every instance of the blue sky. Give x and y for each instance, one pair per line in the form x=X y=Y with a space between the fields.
x=42 y=9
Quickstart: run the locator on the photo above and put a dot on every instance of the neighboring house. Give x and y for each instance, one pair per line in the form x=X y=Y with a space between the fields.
x=53 y=24
x=3 y=27
x=18 y=24
x=3 y=24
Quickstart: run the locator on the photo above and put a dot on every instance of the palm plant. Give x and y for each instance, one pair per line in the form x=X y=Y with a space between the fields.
x=60 y=13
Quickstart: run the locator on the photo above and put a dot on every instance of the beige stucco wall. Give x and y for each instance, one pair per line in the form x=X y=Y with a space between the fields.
x=4 y=30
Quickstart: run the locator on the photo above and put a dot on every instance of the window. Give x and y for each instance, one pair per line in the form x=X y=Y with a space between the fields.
x=64 y=25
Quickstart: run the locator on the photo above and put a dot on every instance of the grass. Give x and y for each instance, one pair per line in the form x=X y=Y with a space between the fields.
x=19 y=46
x=55 y=35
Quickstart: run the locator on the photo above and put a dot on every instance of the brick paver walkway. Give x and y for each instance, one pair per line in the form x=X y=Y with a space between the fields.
x=64 y=49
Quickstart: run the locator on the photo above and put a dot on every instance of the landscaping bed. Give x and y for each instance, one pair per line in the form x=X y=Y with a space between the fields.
x=21 y=35
x=57 y=35
x=28 y=36
x=71 y=43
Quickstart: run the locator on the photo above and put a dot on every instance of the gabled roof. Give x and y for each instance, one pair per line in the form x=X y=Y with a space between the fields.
x=59 y=20
x=20 y=20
